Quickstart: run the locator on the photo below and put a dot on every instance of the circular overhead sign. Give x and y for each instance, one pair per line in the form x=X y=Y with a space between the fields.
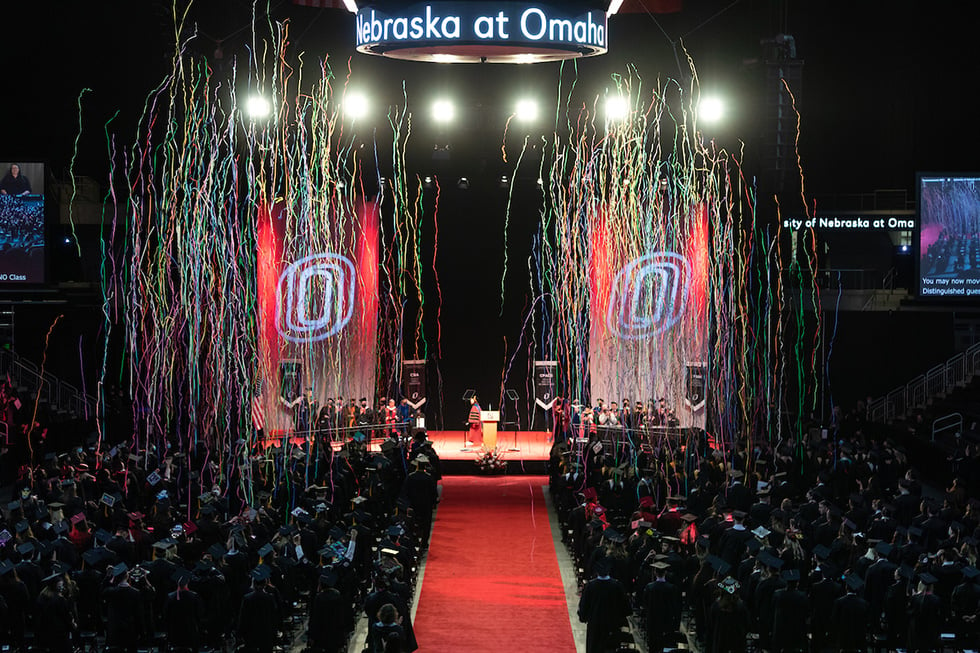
x=480 y=32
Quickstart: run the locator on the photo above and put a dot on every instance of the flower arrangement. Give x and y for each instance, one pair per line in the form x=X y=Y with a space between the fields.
x=491 y=460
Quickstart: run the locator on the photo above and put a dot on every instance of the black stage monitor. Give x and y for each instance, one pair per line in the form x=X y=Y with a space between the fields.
x=22 y=223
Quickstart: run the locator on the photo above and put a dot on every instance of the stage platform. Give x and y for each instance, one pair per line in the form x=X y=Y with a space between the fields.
x=525 y=452
x=531 y=445
x=531 y=456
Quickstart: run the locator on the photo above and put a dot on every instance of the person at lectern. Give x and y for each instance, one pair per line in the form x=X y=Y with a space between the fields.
x=475 y=435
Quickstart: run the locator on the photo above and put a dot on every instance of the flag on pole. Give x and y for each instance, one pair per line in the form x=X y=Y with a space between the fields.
x=258 y=413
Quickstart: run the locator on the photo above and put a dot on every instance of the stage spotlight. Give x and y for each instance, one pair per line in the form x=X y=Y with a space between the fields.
x=257 y=107
x=617 y=108
x=540 y=182
x=711 y=109
x=504 y=181
x=443 y=111
x=463 y=183
x=428 y=182
x=355 y=105
x=351 y=6
x=526 y=110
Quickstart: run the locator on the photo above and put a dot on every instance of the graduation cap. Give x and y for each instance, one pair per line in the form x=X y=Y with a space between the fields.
x=829 y=571
x=304 y=518
x=164 y=544
x=203 y=567
x=22 y=526
x=854 y=582
x=329 y=577
x=388 y=445
x=182 y=576
x=60 y=528
x=14 y=505
x=76 y=518
x=883 y=548
x=740 y=515
x=119 y=570
x=753 y=545
x=261 y=573
x=915 y=532
x=217 y=550
x=5 y=567
x=821 y=551
x=770 y=560
x=928 y=579
x=906 y=572
x=660 y=565
x=970 y=572
x=96 y=556
x=761 y=532
x=729 y=585
x=102 y=536
x=5 y=536
x=720 y=566
x=266 y=551
x=287 y=530
x=614 y=536
x=791 y=575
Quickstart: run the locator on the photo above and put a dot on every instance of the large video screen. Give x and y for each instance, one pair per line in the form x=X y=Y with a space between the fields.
x=22 y=228
x=949 y=235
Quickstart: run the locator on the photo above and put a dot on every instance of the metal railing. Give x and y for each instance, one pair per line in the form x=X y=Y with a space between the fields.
x=935 y=383
x=59 y=396
x=952 y=422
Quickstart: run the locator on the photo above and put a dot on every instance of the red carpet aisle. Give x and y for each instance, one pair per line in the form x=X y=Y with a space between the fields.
x=491 y=579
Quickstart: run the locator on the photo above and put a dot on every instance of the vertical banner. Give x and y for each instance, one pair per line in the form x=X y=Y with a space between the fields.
x=413 y=382
x=544 y=383
x=317 y=284
x=649 y=309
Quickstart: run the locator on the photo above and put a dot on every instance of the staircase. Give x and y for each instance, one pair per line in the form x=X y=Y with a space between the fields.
x=57 y=399
x=938 y=411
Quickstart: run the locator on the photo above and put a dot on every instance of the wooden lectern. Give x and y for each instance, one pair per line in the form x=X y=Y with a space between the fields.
x=488 y=420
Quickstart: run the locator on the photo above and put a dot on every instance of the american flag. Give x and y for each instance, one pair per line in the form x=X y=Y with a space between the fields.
x=258 y=411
